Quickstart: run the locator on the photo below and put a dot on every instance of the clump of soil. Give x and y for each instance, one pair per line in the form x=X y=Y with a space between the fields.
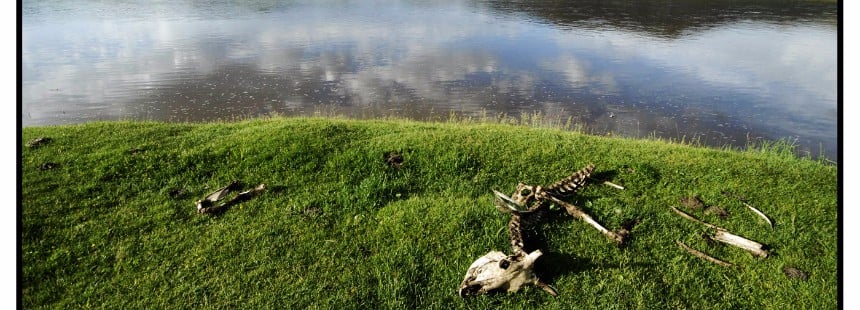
x=794 y=273
x=718 y=211
x=693 y=202
x=312 y=212
x=710 y=241
x=627 y=226
x=176 y=193
x=696 y=203
x=48 y=166
x=393 y=159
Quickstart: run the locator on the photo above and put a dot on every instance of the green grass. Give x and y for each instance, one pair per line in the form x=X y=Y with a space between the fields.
x=114 y=225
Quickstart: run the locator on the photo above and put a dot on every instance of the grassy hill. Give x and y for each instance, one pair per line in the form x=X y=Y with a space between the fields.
x=109 y=218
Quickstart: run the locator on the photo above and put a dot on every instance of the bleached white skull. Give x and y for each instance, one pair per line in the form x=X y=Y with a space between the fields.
x=497 y=271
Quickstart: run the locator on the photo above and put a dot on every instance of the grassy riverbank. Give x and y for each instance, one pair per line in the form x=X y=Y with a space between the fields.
x=109 y=218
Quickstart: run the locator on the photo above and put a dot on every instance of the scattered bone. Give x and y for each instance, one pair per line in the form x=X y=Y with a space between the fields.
x=626 y=227
x=692 y=218
x=38 y=142
x=204 y=206
x=218 y=194
x=753 y=209
x=760 y=214
x=703 y=255
x=613 y=185
x=693 y=202
x=724 y=236
x=795 y=273
x=753 y=247
x=578 y=213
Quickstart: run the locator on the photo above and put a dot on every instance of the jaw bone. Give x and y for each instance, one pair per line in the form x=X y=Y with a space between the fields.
x=505 y=204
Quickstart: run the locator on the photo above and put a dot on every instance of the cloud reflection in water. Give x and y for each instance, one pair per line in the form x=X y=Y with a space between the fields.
x=723 y=82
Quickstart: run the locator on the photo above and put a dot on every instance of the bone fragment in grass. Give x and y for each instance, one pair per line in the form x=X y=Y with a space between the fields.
x=724 y=236
x=759 y=213
x=613 y=185
x=703 y=255
x=753 y=209
x=505 y=204
x=498 y=271
x=753 y=247
x=578 y=213
x=608 y=183
x=38 y=142
x=546 y=288
x=218 y=194
x=202 y=207
x=693 y=218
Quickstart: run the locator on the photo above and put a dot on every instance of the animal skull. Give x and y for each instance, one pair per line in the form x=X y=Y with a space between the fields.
x=497 y=271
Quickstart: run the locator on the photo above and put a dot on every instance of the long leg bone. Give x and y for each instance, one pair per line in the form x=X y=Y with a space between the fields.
x=753 y=247
x=724 y=236
x=578 y=213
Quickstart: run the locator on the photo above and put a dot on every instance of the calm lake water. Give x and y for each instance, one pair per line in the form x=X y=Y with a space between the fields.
x=725 y=72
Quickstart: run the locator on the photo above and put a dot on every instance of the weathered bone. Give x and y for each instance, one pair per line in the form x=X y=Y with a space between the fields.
x=613 y=185
x=217 y=195
x=723 y=235
x=753 y=209
x=753 y=247
x=759 y=213
x=578 y=213
x=497 y=271
x=703 y=255
x=505 y=204
x=204 y=206
x=607 y=183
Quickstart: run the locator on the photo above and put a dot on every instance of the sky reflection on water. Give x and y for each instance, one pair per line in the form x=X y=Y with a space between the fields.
x=726 y=81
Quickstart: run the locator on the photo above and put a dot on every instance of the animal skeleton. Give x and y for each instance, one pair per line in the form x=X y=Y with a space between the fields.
x=528 y=204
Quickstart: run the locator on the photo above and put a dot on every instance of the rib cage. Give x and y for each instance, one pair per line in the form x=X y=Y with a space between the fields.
x=533 y=198
x=571 y=184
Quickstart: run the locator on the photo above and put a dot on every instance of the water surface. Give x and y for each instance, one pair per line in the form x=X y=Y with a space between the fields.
x=723 y=72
